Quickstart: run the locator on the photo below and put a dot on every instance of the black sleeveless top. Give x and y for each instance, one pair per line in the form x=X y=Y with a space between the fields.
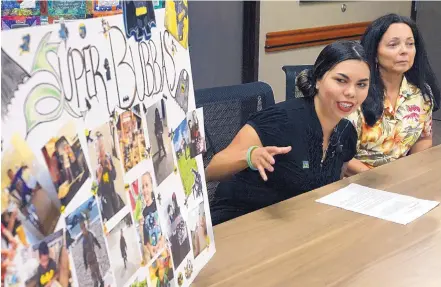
x=292 y=123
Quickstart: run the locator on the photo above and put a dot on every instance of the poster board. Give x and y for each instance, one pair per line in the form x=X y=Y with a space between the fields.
x=102 y=152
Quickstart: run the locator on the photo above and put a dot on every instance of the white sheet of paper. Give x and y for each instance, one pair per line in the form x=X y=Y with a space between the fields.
x=389 y=206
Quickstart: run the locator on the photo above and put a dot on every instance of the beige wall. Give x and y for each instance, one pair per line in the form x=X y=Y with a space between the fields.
x=290 y=15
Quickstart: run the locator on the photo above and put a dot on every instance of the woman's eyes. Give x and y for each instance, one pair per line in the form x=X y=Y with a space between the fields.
x=342 y=81
x=396 y=44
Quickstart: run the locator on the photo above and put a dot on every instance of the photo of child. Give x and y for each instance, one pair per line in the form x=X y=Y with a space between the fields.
x=131 y=138
x=46 y=263
x=146 y=217
x=124 y=250
x=178 y=236
x=160 y=141
x=198 y=229
x=85 y=240
x=195 y=120
x=161 y=270
x=67 y=165
x=108 y=183
x=188 y=168
x=36 y=202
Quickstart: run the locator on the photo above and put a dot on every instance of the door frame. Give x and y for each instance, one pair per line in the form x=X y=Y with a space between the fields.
x=413 y=10
x=250 y=41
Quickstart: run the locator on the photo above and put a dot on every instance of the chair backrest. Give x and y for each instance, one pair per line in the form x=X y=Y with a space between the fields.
x=291 y=73
x=226 y=110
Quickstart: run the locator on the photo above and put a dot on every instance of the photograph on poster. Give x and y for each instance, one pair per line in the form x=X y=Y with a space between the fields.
x=65 y=160
x=46 y=263
x=182 y=90
x=140 y=280
x=86 y=243
x=124 y=251
x=188 y=168
x=197 y=223
x=106 y=167
x=13 y=224
x=176 y=20
x=160 y=141
x=36 y=202
x=20 y=8
x=145 y=212
x=161 y=270
x=131 y=138
x=178 y=232
x=61 y=8
x=195 y=120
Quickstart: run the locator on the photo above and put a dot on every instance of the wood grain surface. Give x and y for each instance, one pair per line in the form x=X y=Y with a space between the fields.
x=299 y=242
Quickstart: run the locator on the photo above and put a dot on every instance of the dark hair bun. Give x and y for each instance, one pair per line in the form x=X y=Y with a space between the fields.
x=305 y=83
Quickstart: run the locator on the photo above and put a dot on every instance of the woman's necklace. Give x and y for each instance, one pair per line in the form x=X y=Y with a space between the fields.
x=325 y=150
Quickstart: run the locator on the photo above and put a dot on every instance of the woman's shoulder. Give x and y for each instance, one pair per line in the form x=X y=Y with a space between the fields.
x=296 y=104
x=348 y=128
x=415 y=96
x=280 y=112
x=348 y=137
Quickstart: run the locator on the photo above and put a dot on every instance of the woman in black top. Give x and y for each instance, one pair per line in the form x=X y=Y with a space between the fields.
x=294 y=146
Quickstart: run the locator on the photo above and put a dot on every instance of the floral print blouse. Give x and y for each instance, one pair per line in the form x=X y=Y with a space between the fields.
x=394 y=134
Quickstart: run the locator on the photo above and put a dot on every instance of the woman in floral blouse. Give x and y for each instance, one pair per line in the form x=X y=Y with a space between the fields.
x=396 y=118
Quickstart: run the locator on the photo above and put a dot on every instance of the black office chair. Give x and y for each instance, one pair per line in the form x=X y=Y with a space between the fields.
x=291 y=73
x=226 y=110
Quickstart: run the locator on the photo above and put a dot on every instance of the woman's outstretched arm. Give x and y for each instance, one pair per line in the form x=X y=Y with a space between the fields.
x=232 y=159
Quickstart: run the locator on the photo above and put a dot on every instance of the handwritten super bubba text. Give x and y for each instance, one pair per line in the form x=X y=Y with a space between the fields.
x=115 y=72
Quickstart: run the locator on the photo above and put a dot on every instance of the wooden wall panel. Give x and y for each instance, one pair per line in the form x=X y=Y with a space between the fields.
x=293 y=39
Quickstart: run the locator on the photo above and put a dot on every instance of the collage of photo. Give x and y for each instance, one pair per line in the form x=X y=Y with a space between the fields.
x=120 y=227
x=102 y=186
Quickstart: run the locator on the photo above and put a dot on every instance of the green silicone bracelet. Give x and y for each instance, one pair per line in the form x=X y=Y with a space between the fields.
x=250 y=164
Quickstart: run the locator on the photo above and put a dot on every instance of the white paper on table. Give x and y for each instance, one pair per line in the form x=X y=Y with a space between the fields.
x=389 y=206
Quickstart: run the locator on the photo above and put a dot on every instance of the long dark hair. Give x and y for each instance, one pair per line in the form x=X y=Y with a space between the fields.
x=330 y=56
x=420 y=74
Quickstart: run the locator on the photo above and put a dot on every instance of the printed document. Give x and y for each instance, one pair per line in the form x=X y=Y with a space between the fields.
x=389 y=206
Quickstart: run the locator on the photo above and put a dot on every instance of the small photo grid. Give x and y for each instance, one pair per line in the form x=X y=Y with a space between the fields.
x=86 y=244
x=108 y=182
x=195 y=121
x=160 y=140
x=146 y=216
x=131 y=138
x=161 y=271
x=197 y=222
x=33 y=202
x=65 y=160
x=188 y=168
x=124 y=250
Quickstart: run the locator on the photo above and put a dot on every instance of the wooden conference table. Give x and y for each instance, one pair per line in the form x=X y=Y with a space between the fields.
x=299 y=242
